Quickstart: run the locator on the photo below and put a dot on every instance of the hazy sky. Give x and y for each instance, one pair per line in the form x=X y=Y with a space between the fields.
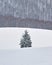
x=10 y=37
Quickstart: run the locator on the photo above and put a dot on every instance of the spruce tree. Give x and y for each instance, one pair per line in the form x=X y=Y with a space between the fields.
x=25 y=41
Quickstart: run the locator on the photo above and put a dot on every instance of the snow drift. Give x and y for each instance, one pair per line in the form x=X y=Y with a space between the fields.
x=31 y=56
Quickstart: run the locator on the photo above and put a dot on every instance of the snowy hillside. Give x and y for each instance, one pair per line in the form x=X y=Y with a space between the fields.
x=10 y=37
x=36 y=9
x=31 y=56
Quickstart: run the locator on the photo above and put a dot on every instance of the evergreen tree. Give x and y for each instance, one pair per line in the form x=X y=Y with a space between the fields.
x=25 y=41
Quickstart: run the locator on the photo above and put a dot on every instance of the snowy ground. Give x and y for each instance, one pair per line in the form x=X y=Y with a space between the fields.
x=39 y=54
x=10 y=37
x=31 y=56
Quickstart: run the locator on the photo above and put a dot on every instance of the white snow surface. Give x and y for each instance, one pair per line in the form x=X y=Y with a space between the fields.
x=10 y=37
x=28 y=56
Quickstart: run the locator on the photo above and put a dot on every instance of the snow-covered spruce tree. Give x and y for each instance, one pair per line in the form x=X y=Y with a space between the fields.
x=25 y=41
